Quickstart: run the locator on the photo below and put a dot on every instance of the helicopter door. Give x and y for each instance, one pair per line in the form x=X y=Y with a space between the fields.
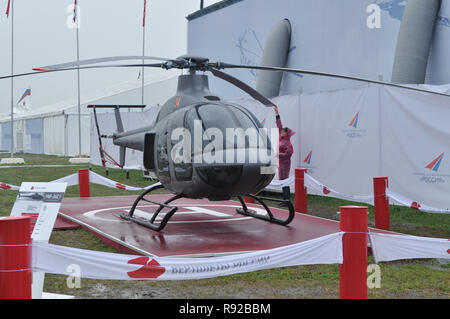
x=162 y=157
x=180 y=149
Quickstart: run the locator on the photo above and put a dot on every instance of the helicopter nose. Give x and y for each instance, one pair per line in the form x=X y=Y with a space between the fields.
x=226 y=180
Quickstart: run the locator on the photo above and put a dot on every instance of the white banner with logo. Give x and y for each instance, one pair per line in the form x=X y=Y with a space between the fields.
x=415 y=139
x=101 y=265
x=388 y=247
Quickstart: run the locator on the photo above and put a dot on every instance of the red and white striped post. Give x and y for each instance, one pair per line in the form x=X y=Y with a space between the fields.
x=301 y=195
x=83 y=181
x=381 y=202
x=353 y=270
x=15 y=257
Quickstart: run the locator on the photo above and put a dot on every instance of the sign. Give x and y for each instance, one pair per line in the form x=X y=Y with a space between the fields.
x=40 y=201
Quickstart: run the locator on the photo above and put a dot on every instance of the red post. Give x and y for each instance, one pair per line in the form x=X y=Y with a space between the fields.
x=301 y=196
x=353 y=270
x=381 y=202
x=249 y=200
x=15 y=258
x=83 y=181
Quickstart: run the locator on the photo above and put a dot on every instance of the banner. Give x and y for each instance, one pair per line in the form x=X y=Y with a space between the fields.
x=101 y=265
x=42 y=199
x=387 y=247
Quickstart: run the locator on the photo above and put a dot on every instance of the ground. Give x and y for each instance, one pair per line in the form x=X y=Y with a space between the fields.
x=418 y=279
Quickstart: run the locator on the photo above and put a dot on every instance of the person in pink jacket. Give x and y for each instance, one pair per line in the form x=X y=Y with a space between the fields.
x=285 y=151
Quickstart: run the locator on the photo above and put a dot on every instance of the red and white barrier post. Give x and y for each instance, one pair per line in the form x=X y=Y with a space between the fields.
x=301 y=195
x=83 y=180
x=353 y=270
x=381 y=202
x=15 y=258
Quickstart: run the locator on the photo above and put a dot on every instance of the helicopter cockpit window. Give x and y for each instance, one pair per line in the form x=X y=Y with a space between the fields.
x=223 y=118
x=181 y=155
x=162 y=157
x=223 y=128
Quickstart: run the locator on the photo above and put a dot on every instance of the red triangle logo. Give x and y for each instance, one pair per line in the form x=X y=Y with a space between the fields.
x=150 y=269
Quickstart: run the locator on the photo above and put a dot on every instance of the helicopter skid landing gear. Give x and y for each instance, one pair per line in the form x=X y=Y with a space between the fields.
x=269 y=217
x=151 y=223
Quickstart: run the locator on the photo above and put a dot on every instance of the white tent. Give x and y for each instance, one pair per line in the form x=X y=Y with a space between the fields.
x=53 y=129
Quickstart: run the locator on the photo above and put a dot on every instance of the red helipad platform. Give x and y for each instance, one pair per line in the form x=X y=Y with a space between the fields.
x=198 y=228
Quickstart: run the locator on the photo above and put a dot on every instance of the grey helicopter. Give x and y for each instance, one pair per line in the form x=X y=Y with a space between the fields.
x=216 y=168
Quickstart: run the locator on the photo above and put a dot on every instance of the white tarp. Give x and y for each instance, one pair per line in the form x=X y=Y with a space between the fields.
x=415 y=139
x=328 y=35
x=101 y=265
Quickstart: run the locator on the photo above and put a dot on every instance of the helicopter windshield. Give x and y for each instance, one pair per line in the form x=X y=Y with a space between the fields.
x=223 y=127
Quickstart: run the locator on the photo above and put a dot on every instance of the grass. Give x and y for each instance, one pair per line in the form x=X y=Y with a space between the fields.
x=400 y=279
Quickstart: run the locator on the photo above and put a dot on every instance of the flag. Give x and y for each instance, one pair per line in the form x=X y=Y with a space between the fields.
x=75 y=12
x=143 y=20
x=24 y=95
x=24 y=102
x=7 y=8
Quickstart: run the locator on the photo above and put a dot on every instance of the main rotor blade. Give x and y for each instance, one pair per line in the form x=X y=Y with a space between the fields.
x=99 y=60
x=222 y=65
x=244 y=87
x=42 y=70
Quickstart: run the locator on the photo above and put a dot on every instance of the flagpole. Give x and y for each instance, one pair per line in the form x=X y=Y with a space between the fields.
x=12 y=79
x=78 y=80
x=143 y=52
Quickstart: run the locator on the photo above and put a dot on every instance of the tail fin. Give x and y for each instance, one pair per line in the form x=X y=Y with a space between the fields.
x=118 y=119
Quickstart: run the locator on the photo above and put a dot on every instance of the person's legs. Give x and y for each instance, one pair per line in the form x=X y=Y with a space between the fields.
x=286 y=193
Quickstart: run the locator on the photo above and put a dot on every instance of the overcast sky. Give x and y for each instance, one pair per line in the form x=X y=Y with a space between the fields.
x=43 y=36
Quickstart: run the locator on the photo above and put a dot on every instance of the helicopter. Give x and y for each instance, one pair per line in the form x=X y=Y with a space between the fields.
x=198 y=165
x=224 y=151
